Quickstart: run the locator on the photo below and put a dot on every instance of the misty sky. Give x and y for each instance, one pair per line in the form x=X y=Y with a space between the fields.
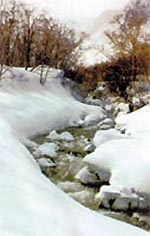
x=78 y=9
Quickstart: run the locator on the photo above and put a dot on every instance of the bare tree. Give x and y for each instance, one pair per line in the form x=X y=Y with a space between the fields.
x=128 y=33
x=55 y=45
x=29 y=40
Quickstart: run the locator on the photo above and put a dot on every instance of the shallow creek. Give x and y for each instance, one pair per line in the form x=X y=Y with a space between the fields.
x=67 y=164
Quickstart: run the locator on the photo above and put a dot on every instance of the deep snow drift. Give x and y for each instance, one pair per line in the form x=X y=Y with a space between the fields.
x=29 y=203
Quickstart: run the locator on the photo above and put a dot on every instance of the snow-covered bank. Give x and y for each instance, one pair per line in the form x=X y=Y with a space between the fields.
x=23 y=99
x=29 y=203
x=126 y=156
x=136 y=124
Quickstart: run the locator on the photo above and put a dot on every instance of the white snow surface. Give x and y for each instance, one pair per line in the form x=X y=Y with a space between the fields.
x=126 y=157
x=44 y=162
x=65 y=136
x=29 y=203
x=102 y=136
x=136 y=124
x=48 y=149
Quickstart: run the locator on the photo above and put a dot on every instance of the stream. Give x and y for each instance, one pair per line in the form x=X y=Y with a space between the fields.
x=63 y=168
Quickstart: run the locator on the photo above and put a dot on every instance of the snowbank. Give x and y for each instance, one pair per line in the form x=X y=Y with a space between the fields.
x=125 y=156
x=24 y=100
x=103 y=136
x=136 y=124
x=29 y=203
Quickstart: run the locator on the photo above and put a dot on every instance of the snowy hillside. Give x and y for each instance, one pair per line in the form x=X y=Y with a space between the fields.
x=30 y=205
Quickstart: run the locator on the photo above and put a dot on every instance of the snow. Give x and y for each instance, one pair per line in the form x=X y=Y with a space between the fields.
x=92 y=119
x=126 y=157
x=87 y=177
x=124 y=200
x=70 y=187
x=102 y=136
x=65 y=136
x=136 y=124
x=48 y=149
x=44 y=162
x=85 y=197
x=51 y=100
x=122 y=108
x=127 y=160
x=29 y=203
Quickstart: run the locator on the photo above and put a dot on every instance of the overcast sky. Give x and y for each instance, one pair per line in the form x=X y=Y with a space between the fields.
x=78 y=9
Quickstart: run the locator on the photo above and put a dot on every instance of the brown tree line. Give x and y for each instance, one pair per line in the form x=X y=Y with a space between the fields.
x=29 y=39
x=129 y=38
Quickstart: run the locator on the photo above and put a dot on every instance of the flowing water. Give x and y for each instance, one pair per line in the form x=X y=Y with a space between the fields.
x=68 y=163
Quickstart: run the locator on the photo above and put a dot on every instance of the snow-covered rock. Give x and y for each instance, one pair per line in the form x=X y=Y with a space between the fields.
x=93 y=119
x=45 y=162
x=107 y=196
x=65 y=136
x=85 y=197
x=107 y=123
x=109 y=107
x=75 y=164
x=125 y=203
x=46 y=149
x=146 y=98
x=70 y=186
x=122 y=108
x=85 y=176
x=121 y=200
x=92 y=100
x=127 y=160
x=89 y=148
x=136 y=102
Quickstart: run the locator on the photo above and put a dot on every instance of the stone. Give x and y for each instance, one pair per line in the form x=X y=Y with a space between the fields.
x=46 y=163
x=89 y=148
x=85 y=197
x=65 y=136
x=110 y=108
x=69 y=187
x=145 y=219
x=121 y=200
x=85 y=176
x=125 y=203
x=122 y=108
x=46 y=149
x=104 y=175
x=92 y=120
x=108 y=123
x=92 y=101
x=75 y=164
x=144 y=204
x=107 y=196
